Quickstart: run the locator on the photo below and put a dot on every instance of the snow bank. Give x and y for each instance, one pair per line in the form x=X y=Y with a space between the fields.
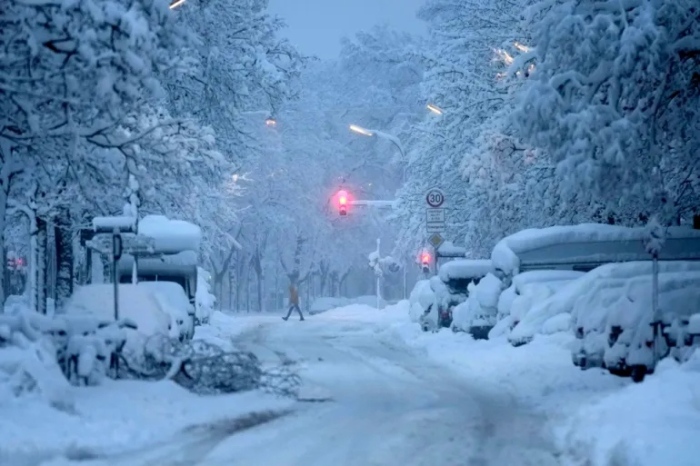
x=578 y=241
x=649 y=424
x=119 y=416
x=422 y=296
x=28 y=366
x=464 y=268
x=171 y=236
x=324 y=304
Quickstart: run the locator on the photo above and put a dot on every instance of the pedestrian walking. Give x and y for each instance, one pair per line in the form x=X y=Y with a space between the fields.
x=293 y=303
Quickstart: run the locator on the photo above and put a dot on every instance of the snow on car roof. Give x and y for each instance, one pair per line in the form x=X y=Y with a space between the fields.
x=465 y=268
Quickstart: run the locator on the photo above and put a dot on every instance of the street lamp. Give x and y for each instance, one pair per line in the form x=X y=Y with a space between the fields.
x=176 y=3
x=373 y=132
x=435 y=109
x=270 y=122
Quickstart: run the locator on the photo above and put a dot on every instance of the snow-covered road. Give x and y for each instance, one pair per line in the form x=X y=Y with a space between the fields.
x=367 y=399
x=390 y=405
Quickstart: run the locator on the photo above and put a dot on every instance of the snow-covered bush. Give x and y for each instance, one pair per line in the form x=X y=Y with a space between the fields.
x=28 y=363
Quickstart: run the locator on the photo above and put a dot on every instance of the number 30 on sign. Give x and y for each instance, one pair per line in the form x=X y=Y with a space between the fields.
x=435 y=198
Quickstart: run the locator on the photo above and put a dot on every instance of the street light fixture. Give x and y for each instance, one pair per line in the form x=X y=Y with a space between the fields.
x=270 y=122
x=435 y=109
x=176 y=3
x=361 y=130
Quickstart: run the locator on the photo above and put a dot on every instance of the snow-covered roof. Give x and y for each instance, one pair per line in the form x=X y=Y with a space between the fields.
x=465 y=268
x=448 y=249
x=171 y=236
x=185 y=261
x=589 y=243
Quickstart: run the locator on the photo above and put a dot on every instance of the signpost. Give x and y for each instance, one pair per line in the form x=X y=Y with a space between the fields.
x=436 y=240
x=435 y=218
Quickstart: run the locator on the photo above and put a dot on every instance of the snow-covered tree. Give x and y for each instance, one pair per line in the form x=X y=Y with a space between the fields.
x=614 y=102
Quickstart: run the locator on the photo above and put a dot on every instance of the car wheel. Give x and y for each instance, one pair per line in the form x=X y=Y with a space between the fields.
x=638 y=372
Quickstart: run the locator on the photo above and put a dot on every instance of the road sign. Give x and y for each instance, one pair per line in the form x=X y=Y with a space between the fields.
x=435 y=228
x=436 y=240
x=435 y=198
x=434 y=215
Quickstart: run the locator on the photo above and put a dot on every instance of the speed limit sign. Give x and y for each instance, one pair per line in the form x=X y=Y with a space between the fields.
x=435 y=198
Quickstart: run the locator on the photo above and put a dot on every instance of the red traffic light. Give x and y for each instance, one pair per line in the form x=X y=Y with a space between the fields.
x=425 y=258
x=343 y=200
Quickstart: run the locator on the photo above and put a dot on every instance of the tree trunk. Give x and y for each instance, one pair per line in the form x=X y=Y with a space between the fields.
x=64 y=257
x=4 y=189
x=33 y=262
x=41 y=265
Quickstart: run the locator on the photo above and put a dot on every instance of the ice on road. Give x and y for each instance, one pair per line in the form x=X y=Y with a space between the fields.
x=390 y=405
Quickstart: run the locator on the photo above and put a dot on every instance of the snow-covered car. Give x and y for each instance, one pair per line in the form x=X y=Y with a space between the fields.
x=136 y=304
x=172 y=299
x=590 y=313
x=450 y=288
x=562 y=302
x=630 y=346
x=588 y=321
x=478 y=314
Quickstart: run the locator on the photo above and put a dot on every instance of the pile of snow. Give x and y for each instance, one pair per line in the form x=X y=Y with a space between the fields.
x=614 y=244
x=324 y=304
x=204 y=299
x=461 y=269
x=649 y=424
x=28 y=364
x=563 y=301
x=15 y=304
x=481 y=307
x=171 y=236
x=422 y=297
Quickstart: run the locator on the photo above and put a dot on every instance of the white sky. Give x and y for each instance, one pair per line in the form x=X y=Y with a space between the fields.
x=316 y=26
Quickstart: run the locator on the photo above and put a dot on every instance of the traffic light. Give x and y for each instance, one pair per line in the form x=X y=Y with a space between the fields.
x=425 y=262
x=343 y=202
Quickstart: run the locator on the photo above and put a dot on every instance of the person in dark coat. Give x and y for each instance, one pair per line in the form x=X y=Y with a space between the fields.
x=293 y=303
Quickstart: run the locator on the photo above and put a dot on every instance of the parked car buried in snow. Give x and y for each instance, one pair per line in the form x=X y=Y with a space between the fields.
x=451 y=288
x=629 y=330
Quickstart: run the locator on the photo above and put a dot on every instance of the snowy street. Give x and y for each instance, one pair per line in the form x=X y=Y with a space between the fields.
x=390 y=405
x=367 y=398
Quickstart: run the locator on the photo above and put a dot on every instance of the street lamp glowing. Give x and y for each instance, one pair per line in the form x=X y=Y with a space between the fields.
x=271 y=122
x=361 y=130
x=176 y=3
x=434 y=108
